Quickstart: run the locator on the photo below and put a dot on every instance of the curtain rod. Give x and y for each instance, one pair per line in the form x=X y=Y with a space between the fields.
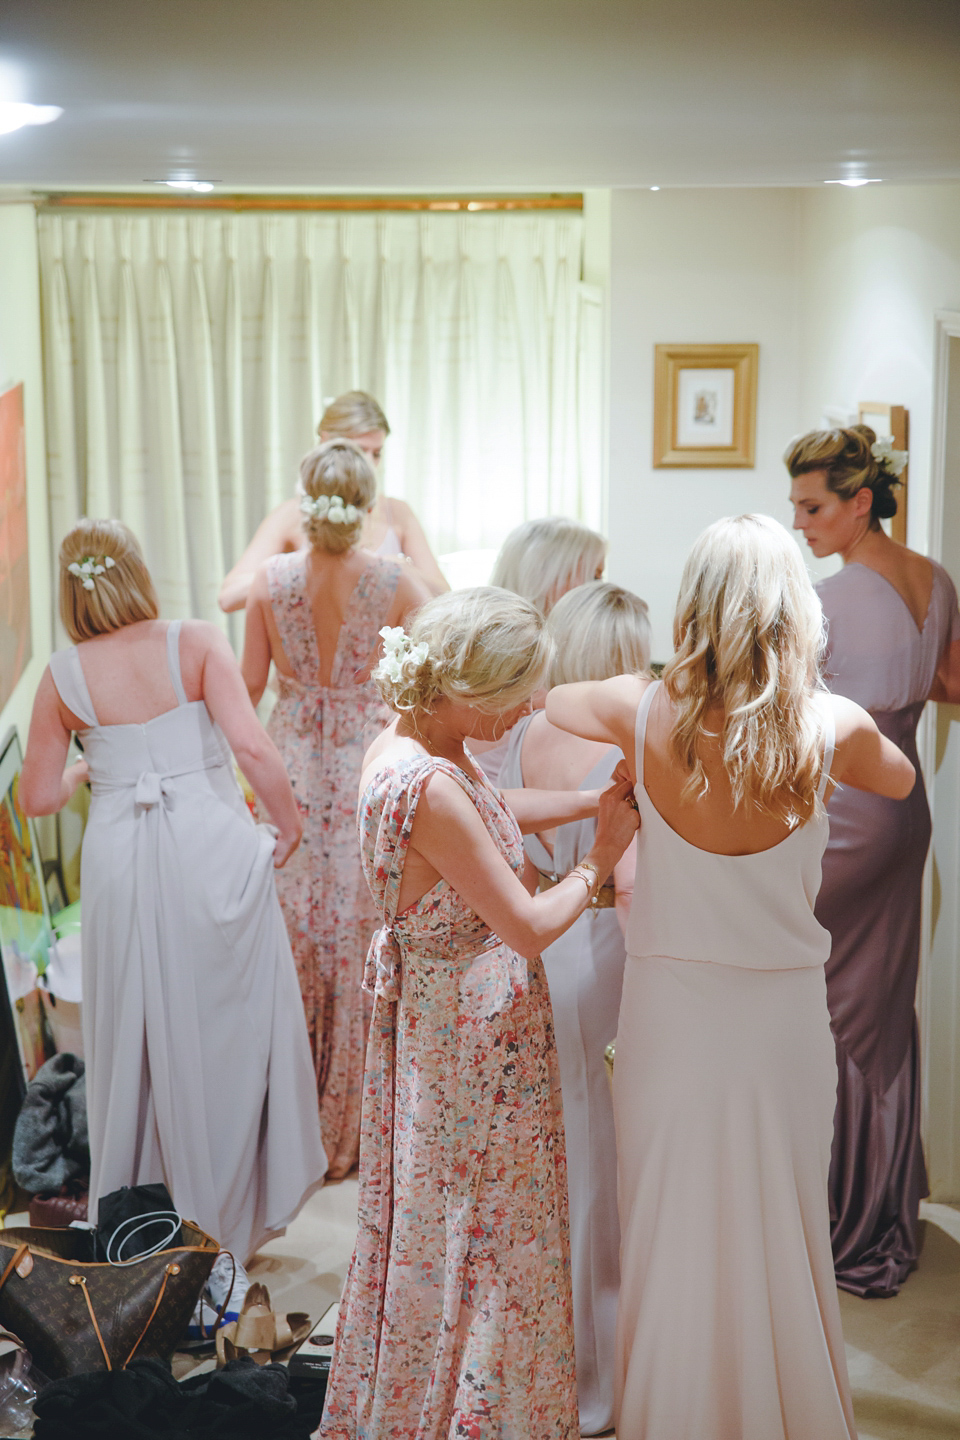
x=69 y=200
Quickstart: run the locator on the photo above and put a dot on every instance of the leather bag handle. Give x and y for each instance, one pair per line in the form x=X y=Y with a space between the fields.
x=18 y=1255
x=81 y=1280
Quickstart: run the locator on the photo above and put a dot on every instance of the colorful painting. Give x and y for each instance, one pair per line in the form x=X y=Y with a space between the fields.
x=15 y=634
x=24 y=925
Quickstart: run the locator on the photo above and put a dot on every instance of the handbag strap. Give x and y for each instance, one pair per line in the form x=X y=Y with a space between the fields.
x=168 y=1271
x=81 y=1280
x=18 y=1255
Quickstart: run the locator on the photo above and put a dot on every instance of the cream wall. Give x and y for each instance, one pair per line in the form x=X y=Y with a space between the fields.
x=21 y=360
x=692 y=266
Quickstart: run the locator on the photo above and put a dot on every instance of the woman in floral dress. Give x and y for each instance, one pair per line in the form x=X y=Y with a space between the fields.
x=316 y=614
x=456 y=1317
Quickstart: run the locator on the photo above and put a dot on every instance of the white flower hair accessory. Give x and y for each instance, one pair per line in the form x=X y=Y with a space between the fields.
x=327 y=507
x=893 y=461
x=87 y=570
x=397 y=648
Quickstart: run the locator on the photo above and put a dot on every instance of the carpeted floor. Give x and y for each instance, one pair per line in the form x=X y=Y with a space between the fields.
x=904 y=1353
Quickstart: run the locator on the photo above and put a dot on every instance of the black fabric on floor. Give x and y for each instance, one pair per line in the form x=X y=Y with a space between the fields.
x=243 y=1401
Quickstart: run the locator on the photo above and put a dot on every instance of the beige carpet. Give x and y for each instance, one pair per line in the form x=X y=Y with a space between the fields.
x=904 y=1353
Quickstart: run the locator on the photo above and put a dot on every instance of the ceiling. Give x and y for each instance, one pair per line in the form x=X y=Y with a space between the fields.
x=435 y=95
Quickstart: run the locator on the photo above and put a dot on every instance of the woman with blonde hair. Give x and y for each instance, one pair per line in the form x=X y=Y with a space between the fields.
x=456 y=1315
x=598 y=630
x=893 y=632
x=198 y=1067
x=391 y=528
x=541 y=560
x=725 y=1072
x=316 y=614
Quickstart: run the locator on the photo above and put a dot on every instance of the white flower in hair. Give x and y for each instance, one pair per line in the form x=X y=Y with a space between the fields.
x=893 y=461
x=396 y=649
x=87 y=570
x=327 y=507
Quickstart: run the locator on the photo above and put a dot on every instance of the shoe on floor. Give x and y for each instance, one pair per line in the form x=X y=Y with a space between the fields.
x=203 y=1321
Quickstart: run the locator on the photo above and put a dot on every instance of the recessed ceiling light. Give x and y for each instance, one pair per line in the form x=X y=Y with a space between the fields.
x=14 y=115
x=853 y=183
x=654 y=187
x=200 y=187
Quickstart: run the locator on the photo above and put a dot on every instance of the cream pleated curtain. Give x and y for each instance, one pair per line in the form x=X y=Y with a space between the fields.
x=189 y=356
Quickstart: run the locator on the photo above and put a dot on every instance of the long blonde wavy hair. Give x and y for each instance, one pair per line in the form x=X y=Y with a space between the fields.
x=749 y=635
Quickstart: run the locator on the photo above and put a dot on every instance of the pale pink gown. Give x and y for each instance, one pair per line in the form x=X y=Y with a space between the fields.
x=456 y=1320
x=724 y=1089
x=322 y=732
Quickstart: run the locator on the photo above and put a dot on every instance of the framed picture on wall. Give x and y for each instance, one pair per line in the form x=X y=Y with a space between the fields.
x=891 y=422
x=705 y=405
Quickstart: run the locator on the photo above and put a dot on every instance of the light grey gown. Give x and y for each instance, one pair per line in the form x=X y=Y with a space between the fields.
x=584 y=970
x=198 y=1065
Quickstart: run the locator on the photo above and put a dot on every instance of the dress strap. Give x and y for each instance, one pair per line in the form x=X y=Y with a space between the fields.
x=173 y=661
x=643 y=710
x=829 y=744
x=71 y=683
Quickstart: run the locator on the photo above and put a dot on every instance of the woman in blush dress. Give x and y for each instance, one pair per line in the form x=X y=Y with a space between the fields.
x=725 y=1076
x=598 y=630
x=317 y=613
x=541 y=560
x=893 y=642
x=391 y=527
x=456 y=1315
x=198 y=1066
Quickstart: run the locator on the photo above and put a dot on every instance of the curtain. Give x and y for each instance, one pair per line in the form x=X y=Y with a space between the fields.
x=188 y=357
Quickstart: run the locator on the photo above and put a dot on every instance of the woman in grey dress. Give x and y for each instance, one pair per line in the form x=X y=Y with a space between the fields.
x=598 y=630
x=893 y=643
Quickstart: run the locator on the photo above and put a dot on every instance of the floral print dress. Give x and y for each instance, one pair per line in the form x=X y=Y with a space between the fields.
x=456 y=1317
x=322 y=733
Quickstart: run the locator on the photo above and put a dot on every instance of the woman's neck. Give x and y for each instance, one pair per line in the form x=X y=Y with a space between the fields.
x=435 y=737
x=867 y=548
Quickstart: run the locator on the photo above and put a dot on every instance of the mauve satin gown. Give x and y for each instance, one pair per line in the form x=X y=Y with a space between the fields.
x=870 y=902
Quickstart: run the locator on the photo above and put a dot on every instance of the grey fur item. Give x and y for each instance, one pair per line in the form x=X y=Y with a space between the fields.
x=50 y=1142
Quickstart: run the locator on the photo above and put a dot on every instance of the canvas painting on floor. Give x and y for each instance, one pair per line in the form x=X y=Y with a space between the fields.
x=15 y=634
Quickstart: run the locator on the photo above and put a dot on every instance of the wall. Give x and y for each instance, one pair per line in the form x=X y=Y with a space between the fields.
x=21 y=360
x=876 y=264
x=690 y=266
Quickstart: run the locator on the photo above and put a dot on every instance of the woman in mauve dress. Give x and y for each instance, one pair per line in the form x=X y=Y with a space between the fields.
x=725 y=1079
x=456 y=1316
x=893 y=642
x=317 y=613
x=598 y=630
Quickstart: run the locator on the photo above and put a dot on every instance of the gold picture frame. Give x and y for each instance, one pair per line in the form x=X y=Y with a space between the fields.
x=891 y=422
x=705 y=406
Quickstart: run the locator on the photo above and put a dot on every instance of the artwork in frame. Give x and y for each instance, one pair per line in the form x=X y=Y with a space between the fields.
x=15 y=632
x=705 y=405
x=25 y=930
x=891 y=422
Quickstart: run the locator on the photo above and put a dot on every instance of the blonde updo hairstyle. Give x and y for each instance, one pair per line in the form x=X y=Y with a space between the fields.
x=485 y=647
x=598 y=630
x=123 y=594
x=355 y=413
x=543 y=559
x=749 y=638
x=850 y=466
x=337 y=467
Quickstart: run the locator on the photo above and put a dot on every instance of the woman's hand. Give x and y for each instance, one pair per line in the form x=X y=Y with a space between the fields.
x=75 y=775
x=617 y=823
x=285 y=846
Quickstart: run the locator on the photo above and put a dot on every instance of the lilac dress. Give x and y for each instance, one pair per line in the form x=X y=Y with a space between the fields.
x=870 y=903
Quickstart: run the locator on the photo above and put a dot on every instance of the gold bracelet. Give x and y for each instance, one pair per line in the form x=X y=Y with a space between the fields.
x=586 y=869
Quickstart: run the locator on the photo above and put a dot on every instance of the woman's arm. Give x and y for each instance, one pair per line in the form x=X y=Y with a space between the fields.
x=599 y=710
x=866 y=759
x=946 y=684
x=536 y=810
x=416 y=547
x=228 y=701
x=255 y=665
x=449 y=835
x=45 y=786
x=274 y=536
